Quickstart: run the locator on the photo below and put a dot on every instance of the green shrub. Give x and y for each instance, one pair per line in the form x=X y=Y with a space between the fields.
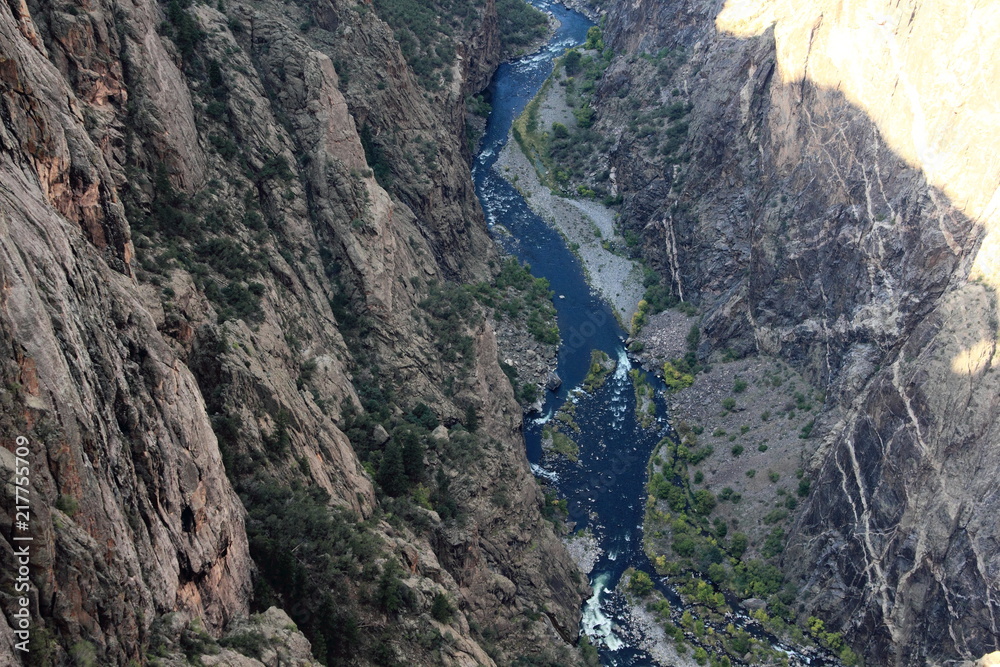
x=704 y=502
x=376 y=158
x=775 y=515
x=390 y=594
x=528 y=393
x=441 y=609
x=274 y=167
x=478 y=106
x=738 y=544
x=756 y=578
x=68 y=505
x=278 y=442
x=675 y=379
x=391 y=474
x=250 y=644
x=225 y=146
x=563 y=444
x=184 y=30
x=594 y=39
x=640 y=584
x=520 y=24
x=571 y=62
x=774 y=544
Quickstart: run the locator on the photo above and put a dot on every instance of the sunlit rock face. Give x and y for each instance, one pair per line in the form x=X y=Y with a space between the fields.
x=836 y=205
x=925 y=73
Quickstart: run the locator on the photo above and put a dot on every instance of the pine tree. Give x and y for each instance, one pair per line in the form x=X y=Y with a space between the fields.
x=391 y=473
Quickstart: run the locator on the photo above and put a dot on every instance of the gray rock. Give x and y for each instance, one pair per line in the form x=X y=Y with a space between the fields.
x=553 y=381
x=380 y=435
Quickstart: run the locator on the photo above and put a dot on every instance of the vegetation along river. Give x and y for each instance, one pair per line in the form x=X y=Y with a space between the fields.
x=605 y=487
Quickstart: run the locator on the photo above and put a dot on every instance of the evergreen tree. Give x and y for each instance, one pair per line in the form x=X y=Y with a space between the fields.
x=391 y=473
x=412 y=453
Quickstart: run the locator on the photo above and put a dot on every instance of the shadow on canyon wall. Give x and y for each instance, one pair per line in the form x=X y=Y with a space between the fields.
x=803 y=233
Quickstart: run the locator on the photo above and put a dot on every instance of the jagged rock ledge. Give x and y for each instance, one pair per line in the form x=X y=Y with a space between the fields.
x=584 y=549
x=534 y=361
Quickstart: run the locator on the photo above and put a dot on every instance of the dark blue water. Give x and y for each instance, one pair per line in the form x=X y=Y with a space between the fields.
x=606 y=489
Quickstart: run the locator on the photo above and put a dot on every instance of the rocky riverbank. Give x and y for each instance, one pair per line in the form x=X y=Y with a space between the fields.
x=654 y=640
x=586 y=225
x=584 y=549
x=534 y=362
x=662 y=338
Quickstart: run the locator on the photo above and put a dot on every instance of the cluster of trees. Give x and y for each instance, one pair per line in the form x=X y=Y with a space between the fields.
x=196 y=237
x=332 y=549
x=426 y=34
x=520 y=25
x=515 y=293
x=427 y=31
x=570 y=150
x=194 y=233
x=450 y=311
x=707 y=547
x=520 y=296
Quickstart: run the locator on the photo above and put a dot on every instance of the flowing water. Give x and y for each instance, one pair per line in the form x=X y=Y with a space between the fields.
x=606 y=488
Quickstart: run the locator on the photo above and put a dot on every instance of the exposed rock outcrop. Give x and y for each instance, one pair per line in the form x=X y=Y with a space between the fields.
x=219 y=224
x=834 y=204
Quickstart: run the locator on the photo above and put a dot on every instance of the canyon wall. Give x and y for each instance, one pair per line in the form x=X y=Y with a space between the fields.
x=834 y=203
x=219 y=223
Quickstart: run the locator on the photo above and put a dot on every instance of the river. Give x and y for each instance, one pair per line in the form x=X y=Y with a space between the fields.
x=606 y=489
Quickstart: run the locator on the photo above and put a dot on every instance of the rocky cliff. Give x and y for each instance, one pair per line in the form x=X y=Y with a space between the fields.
x=827 y=192
x=223 y=229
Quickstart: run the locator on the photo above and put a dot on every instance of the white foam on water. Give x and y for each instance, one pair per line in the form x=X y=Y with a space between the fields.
x=541 y=421
x=596 y=624
x=624 y=365
x=539 y=471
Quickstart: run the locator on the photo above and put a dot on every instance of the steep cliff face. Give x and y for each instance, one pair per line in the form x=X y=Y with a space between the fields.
x=220 y=227
x=148 y=520
x=833 y=201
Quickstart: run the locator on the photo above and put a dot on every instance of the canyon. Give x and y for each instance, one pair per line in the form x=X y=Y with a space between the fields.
x=834 y=204
x=245 y=332
x=219 y=225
